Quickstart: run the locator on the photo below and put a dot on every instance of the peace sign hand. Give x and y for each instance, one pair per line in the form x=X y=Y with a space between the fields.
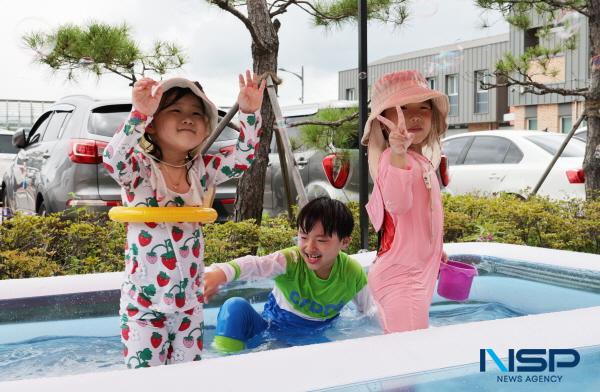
x=251 y=94
x=142 y=98
x=399 y=138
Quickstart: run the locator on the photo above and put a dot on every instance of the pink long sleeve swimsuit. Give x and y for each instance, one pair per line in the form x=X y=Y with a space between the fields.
x=161 y=296
x=402 y=278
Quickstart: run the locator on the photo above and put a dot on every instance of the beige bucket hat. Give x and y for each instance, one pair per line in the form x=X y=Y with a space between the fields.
x=196 y=88
x=398 y=89
x=212 y=112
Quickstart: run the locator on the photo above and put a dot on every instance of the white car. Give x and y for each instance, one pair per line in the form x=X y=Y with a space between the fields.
x=513 y=161
x=581 y=134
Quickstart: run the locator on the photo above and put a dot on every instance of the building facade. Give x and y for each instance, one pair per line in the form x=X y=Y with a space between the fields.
x=458 y=69
x=455 y=70
x=552 y=112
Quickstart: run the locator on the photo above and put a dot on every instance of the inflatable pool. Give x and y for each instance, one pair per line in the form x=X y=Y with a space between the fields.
x=523 y=297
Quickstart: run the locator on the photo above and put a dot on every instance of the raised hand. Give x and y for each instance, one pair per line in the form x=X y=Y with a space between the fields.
x=251 y=94
x=143 y=98
x=399 y=138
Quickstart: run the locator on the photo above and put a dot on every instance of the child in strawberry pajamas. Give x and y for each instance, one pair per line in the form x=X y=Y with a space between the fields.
x=155 y=158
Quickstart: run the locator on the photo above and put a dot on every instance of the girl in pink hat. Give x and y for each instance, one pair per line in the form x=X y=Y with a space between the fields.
x=403 y=136
x=155 y=158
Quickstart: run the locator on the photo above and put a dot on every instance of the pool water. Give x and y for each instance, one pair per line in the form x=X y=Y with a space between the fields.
x=57 y=353
x=50 y=348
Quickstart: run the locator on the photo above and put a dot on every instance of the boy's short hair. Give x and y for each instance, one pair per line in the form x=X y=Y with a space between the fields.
x=333 y=215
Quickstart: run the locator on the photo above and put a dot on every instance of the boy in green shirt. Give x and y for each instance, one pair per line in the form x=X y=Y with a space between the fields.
x=313 y=281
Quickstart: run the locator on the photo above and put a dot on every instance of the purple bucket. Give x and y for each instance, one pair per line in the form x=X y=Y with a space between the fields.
x=455 y=280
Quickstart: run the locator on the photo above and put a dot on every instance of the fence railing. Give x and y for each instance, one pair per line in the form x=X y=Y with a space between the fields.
x=15 y=113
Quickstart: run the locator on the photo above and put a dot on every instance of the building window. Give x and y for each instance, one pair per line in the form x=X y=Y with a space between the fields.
x=532 y=123
x=531 y=38
x=482 y=97
x=350 y=94
x=566 y=123
x=432 y=82
x=452 y=93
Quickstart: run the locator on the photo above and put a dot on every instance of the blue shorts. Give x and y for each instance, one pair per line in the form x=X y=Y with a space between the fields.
x=237 y=319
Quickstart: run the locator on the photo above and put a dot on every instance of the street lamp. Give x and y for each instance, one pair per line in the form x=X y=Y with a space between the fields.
x=301 y=77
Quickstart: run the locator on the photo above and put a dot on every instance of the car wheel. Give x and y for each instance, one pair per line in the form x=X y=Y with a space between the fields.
x=42 y=210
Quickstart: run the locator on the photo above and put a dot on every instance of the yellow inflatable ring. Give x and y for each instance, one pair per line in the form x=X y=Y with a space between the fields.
x=163 y=214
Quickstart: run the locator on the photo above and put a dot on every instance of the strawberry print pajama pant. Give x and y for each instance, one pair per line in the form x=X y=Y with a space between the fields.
x=152 y=338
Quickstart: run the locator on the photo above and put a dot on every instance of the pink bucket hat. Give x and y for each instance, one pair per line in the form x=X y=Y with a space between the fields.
x=398 y=89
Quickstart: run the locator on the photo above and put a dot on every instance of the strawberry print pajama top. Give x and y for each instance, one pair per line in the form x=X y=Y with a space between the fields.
x=164 y=261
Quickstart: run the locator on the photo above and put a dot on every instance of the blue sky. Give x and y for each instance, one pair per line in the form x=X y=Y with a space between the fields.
x=218 y=45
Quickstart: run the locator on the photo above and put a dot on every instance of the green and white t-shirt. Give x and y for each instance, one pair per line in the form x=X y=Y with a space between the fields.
x=298 y=289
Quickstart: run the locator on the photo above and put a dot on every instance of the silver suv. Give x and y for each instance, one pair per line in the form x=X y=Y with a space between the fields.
x=59 y=162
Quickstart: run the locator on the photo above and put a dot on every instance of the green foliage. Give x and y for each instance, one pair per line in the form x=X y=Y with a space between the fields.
x=571 y=225
x=74 y=242
x=276 y=233
x=97 y=48
x=15 y=264
x=354 y=246
x=77 y=242
x=549 y=15
x=336 y=12
x=325 y=136
x=229 y=240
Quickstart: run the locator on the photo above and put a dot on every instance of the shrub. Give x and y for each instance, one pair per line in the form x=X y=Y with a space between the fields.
x=78 y=242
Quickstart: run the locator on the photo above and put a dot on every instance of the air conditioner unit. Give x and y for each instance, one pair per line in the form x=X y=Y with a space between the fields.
x=508 y=117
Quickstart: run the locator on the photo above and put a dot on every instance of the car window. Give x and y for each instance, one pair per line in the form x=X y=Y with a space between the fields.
x=551 y=144
x=487 y=150
x=514 y=154
x=56 y=123
x=38 y=128
x=6 y=146
x=105 y=120
x=581 y=135
x=453 y=148
x=65 y=125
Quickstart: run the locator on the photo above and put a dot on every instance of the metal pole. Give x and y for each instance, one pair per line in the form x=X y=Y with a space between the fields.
x=281 y=129
x=299 y=76
x=363 y=167
x=302 y=80
x=220 y=126
x=285 y=174
x=557 y=155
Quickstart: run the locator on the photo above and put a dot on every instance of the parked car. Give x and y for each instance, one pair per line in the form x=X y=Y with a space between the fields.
x=489 y=162
x=310 y=163
x=323 y=172
x=59 y=161
x=7 y=150
x=7 y=154
x=581 y=134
